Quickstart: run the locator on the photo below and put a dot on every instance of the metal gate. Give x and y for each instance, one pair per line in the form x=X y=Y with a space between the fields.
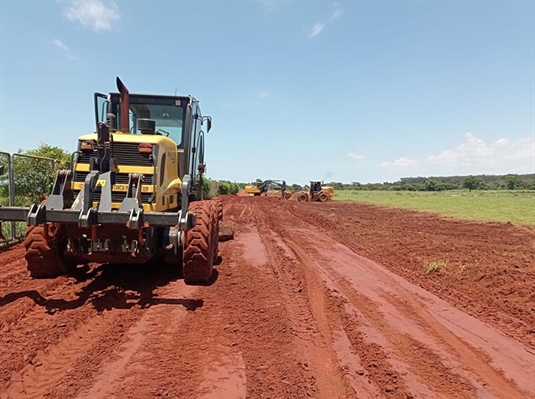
x=24 y=180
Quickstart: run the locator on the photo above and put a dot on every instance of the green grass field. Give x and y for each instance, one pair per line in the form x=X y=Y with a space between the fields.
x=517 y=207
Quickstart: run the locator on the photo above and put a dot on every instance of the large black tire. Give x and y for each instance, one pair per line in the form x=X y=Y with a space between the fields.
x=323 y=197
x=198 y=257
x=45 y=247
x=303 y=197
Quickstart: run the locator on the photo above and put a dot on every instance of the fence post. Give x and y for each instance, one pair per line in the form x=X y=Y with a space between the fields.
x=11 y=187
x=12 y=183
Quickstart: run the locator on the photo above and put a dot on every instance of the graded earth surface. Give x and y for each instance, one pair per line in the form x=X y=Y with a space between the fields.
x=310 y=300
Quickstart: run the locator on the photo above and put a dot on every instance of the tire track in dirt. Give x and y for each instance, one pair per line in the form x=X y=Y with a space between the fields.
x=381 y=374
x=32 y=320
x=234 y=342
x=258 y=322
x=408 y=346
x=112 y=371
x=307 y=311
x=70 y=327
x=414 y=343
x=49 y=366
x=308 y=300
x=125 y=366
x=261 y=327
x=13 y=267
x=490 y=266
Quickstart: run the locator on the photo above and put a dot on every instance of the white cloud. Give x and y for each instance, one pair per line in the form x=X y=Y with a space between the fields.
x=336 y=14
x=263 y=94
x=356 y=155
x=474 y=156
x=476 y=152
x=318 y=27
x=95 y=14
x=316 y=30
x=58 y=43
x=64 y=48
x=269 y=6
x=400 y=163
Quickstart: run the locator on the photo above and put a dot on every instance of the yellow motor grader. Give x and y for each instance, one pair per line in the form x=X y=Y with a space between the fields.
x=134 y=192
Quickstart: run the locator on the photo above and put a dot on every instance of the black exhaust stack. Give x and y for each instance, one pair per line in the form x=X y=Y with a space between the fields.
x=125 y=106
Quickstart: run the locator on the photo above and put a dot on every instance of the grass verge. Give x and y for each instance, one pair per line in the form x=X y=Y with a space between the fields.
x=517 y=207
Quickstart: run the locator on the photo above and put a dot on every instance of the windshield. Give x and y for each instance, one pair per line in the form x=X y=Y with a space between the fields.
x=169 y=119
x=168 y=114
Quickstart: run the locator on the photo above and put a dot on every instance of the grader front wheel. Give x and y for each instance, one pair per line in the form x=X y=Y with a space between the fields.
x=45 y=247
x=199 y=243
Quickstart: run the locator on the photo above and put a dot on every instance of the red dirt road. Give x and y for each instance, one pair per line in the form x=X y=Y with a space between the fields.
x=320 y=300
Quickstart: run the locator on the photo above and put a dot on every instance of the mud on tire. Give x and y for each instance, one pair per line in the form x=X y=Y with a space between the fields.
x=219 y=205
x=45 y=246
x=215 y=230
x=199 y=243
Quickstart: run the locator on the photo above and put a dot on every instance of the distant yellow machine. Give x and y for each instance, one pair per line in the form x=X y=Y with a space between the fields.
x=261 y=188
x=317 y=192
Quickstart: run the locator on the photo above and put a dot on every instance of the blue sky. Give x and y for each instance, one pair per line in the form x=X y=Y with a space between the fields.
x=366 y=91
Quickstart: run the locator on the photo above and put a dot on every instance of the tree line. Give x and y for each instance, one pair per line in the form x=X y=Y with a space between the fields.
x=34 y=179
x=443 y=183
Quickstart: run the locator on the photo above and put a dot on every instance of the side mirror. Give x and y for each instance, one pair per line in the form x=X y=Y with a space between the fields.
x=208 y=120
x=2 y=170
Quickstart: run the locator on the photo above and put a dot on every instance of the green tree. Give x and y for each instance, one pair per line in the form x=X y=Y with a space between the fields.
x=227 y=187
x=206 y=185
x=431 y=185
x=512 y=182
x=471 y=183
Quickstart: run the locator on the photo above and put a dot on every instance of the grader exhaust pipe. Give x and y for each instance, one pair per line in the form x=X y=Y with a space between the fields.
x=125 y=106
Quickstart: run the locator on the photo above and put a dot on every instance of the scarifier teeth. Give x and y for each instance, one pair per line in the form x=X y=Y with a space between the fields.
x=1 y=234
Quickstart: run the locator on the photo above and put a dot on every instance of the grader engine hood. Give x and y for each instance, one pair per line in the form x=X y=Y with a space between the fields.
x=152 y=156
x=131 y=156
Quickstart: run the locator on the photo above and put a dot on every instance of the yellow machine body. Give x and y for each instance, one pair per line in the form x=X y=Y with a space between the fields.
x=252 y=190
x=161 y=186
